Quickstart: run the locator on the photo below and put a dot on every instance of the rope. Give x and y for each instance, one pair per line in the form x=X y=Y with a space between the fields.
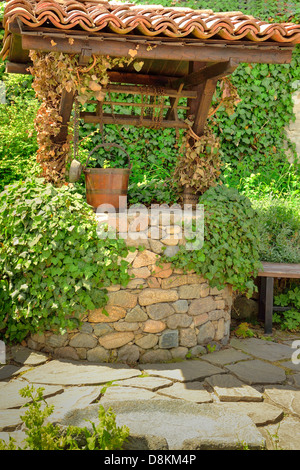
x=76 y=130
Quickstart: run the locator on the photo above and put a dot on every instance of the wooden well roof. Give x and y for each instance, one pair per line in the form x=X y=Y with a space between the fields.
x=184 y=51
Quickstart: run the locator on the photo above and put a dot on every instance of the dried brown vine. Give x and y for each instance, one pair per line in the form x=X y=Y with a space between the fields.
x=199 y=164
x=53 y=73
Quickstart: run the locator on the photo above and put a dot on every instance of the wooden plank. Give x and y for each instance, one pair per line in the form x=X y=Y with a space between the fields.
x=128 y=120
x=203 y=104
x=65 y=110
x=282 y=270
x=121 y=47
x=139 y=78
x=151 y=91
x=15 y=67
x=217 y=70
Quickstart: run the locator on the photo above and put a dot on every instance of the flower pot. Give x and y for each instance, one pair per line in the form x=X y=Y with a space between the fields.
x=107 y=185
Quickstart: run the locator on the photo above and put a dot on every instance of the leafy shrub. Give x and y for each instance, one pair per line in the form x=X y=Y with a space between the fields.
x=17 y=141
x=278 y=222
x=230 y=252
x=53 y=265
x=290 y=319
x=106 y=434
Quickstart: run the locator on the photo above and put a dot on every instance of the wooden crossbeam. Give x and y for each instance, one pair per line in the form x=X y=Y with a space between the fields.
x=216 y=70
x=128 y=120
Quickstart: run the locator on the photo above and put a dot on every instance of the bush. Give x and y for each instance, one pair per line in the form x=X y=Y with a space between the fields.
x=53 y=265
x=278 y=222
x=230 y=252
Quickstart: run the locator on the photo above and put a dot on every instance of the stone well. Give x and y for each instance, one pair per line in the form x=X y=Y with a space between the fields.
x=162 y=314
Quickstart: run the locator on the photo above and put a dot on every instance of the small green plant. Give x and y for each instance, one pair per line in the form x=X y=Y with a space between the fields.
x=40 y=436
x=211 y=348
x=243 y=331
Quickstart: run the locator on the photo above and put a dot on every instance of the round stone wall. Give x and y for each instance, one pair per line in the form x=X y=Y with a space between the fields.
x=162 y=314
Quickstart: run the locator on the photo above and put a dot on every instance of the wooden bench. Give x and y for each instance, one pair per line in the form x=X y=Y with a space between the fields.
x=267 y=275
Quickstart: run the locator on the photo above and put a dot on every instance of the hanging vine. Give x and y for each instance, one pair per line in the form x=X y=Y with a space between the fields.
x=199 y=164
x=53 y=73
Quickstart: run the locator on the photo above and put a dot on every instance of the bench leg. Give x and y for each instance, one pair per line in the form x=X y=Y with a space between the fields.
x=266 y=302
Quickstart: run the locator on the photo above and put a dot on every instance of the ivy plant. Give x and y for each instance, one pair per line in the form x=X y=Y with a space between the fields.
x=230 y=252
x=53 y=265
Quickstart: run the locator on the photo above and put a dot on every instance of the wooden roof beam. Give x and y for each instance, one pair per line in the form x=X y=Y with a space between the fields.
x=151 y=49
x=215 y=71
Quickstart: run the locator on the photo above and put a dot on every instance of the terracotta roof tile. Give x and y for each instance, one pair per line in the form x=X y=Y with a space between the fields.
x=147 y=20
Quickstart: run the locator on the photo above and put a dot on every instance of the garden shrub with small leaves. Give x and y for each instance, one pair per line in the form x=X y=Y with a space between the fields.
x=42 y=435
x=53 y=265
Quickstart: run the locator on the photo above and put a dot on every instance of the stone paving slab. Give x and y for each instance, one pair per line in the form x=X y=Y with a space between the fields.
x=10 y=419
x=227 y=356
x=263 y=349
x=257 y=372
x=61 y=372
x=284 y=435
x=149 y=383
x=262 y=414
x=11 y=398
x=229 y=388
x=9 y=370
x=119 y=393
x=28 y=357
x=73 y=397
x=189 y=391
x=184 y=425
x=285 y=397
x=184 y=371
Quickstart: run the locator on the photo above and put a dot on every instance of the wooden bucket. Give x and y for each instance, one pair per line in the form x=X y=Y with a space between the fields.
x=107 y=185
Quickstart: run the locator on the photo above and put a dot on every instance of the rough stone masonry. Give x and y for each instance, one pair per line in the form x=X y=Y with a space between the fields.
x=162 y=314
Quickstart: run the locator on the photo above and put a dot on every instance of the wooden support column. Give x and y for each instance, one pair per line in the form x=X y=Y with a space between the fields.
x=66 y=105
x=54 y=168
x=207 y=76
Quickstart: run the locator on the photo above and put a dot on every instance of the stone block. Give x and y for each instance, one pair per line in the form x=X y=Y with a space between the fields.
x=137 y=314
x=98 y=354
x=180 y=306
x=147 y=341
x=169 y=339
x=187 y=337
x=206 y=333
x=145 y=258
x=199 y=306
x=174 y=281
x=179 y=320
x=154 y=326
x=152 y=296
x=83 y=340
x=115 y=313
x=116 y=340
x=122 y=299
x=159 y=311
x=190 y=291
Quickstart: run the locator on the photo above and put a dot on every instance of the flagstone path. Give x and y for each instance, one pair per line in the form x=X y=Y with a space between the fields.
x=247 y=394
